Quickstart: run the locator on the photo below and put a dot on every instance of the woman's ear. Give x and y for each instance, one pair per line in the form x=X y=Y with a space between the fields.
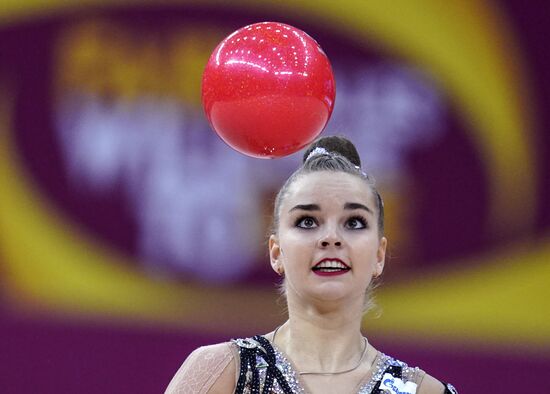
x=275 y=254
x=380 y=257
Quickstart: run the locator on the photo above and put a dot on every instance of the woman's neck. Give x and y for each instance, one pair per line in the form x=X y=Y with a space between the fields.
x=322 y=340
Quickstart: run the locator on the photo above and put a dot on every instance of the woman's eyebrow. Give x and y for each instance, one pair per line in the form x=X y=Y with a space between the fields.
x=356 y=205
x=306 y=207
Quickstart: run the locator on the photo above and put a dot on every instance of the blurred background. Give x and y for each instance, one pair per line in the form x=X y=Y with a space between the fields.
x=130 y=234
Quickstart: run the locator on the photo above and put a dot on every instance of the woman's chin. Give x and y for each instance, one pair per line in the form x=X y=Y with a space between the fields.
x=332 y=293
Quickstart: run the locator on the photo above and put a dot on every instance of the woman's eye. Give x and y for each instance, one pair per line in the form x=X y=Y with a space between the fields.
x=356 y=223
x=306 y=222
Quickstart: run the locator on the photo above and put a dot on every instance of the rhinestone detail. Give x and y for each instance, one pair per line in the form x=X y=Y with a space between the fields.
x=290 y=375
x=288 y=372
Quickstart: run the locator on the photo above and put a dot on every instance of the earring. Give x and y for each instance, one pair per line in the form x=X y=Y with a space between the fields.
x=280 y=270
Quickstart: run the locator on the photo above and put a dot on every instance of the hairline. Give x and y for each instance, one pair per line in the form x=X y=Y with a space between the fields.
x=305 y=171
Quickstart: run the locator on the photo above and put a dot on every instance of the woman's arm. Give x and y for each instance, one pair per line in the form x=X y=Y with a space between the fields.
x=209 y=369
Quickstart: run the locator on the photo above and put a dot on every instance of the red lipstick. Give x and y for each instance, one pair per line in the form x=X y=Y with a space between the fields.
x=330 y=273
x=330 y=267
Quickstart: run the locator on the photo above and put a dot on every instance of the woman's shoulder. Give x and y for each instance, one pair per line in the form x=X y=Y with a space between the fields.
x=398 y=374
x=208 y=369
x=430 y=385
x=222 y=349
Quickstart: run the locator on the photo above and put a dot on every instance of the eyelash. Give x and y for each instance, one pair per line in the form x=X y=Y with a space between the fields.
x=358 y=218
x=361 y=220
x=301 y=219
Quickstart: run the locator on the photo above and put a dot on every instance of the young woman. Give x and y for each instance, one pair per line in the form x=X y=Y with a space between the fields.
x=328 y=243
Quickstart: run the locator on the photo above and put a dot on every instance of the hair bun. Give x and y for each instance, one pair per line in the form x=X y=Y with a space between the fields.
x=335 y=144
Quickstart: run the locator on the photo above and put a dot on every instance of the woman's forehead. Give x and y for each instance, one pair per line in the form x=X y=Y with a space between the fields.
x=329 y=187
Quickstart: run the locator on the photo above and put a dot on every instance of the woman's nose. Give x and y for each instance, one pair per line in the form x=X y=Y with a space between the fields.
x=330 y=238
x=326 y=243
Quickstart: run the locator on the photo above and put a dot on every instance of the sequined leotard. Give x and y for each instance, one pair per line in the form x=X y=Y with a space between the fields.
x=262 y=368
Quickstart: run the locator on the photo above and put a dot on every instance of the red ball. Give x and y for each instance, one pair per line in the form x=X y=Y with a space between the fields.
x=268 y=90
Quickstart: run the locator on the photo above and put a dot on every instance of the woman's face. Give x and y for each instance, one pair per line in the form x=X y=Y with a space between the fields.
x=327 y=242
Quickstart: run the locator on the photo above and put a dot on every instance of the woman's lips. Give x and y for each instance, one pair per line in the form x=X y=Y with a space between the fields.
x=330 y=266
x=330 y=273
